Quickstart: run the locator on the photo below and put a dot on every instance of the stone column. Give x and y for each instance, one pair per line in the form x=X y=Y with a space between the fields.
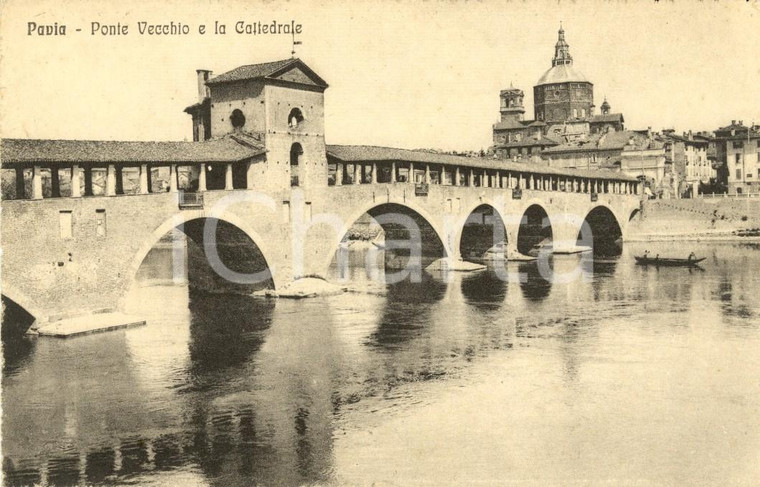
x=373 y=177
x=227 y=177
x=357 y=173
x=20 y=186
x=250 y=180
x=144 y=176
x=519 y=180
x=36 y=183
x=76 y=191
x=55 y=182
x=472 y=178
x=110 y=180
x=411 y=173
x=338 y=174
x=88 y=181
x=172 y=178
x=202 y=177
x=427 y=173
x=393 y=172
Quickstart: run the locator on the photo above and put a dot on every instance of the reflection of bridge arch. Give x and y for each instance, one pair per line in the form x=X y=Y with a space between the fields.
x=535 y=226
x=184 y=217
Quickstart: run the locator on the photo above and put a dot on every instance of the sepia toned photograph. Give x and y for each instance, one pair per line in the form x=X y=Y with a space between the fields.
x=380 y=243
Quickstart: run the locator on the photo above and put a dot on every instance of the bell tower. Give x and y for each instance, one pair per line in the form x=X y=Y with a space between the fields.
x=511 y=106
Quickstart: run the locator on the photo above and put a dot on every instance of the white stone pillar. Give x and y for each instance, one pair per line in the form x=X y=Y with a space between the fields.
x=393 y=172
x=250 y=175
x=202 y=177
x=144 y=175
x=338 y=174
x=427 y=173
x=457 y=176
x=36 y=183
x=357 y=173
x=373 y=177
x=410 y=177
x=110 y=180
x=472 y=178
x=76 y=190
x=228 y=177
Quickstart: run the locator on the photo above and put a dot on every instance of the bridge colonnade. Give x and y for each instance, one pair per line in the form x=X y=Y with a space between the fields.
x=380 y=172
x=56 y=180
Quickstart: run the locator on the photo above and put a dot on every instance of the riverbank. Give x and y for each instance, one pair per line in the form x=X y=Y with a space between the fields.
x=710 y=219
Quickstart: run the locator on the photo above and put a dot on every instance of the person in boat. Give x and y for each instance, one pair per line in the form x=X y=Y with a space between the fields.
x=692 y=256
x=646 y=254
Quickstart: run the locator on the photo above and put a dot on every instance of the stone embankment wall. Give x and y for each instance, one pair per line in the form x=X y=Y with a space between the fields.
x=718 y=218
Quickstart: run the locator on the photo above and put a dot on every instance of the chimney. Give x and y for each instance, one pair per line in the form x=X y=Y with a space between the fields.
x=691 y=136
x=203 y=76
x=741 y=122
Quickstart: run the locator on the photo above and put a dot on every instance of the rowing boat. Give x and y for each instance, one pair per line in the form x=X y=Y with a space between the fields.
x=667 y=262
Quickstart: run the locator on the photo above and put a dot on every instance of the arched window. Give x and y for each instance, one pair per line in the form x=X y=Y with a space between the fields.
x=237 y=118
x=295 y=155
x=295 y=117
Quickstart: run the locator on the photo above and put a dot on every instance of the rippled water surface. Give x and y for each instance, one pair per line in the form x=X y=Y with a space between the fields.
x=630 y=376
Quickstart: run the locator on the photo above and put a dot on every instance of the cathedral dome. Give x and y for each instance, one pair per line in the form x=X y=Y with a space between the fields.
x=562 y=73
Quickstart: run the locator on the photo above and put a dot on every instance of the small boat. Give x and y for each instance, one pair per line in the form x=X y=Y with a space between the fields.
x=667 y=262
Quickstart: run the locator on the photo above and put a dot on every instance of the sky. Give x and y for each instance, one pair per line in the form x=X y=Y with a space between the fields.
x=402 y=74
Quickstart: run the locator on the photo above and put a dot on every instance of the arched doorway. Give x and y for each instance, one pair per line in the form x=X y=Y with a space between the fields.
x=535 y=230
x=605 y=234
x=296 y=151
x=484 y=235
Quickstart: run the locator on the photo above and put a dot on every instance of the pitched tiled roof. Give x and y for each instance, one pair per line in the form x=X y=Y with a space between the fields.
x=366 y=153
x=608 y=141
x=224 y=149
x=530 y=142
x=695 y=140
x=609 y=117
x=263 y=70
x=510 y=124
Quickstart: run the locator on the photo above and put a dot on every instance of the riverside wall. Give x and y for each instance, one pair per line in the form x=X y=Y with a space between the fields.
x=699 y=218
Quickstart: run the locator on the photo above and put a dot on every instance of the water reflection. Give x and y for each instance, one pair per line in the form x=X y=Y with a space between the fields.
x=484 y=290
x=533 y=285
x=235 y=390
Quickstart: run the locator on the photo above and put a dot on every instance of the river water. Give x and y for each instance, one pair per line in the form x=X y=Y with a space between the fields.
x=627 y=376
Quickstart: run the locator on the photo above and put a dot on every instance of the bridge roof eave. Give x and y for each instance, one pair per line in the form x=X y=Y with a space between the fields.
x=27 y=152
x=368 y=154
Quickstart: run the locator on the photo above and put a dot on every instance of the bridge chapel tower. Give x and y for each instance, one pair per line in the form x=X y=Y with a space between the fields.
x=278 y=106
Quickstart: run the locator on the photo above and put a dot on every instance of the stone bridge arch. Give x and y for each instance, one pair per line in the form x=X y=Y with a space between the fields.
x=605 y=227
x=10 y=293
x=436 y=223
x=465 y=216
x=180 y=219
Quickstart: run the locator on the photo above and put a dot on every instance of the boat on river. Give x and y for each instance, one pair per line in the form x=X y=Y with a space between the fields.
x=667 y=261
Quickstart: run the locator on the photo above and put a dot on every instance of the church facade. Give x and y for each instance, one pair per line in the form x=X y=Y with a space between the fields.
x=564 y=111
